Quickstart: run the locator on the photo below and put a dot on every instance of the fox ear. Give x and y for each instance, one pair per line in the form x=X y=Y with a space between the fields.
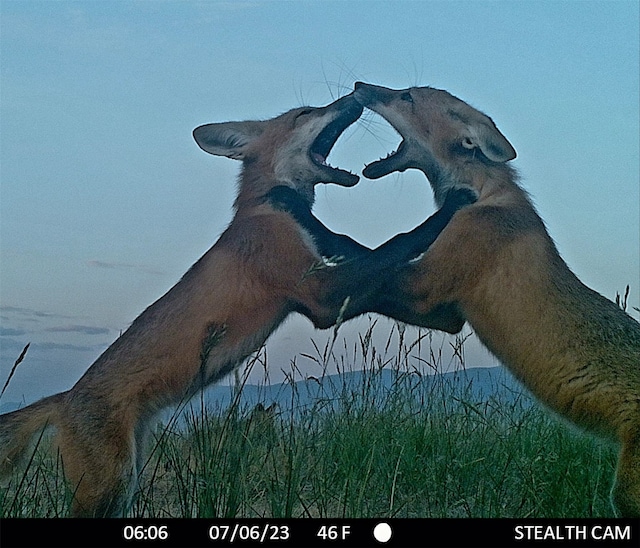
x=228 y=139
x=490 y=141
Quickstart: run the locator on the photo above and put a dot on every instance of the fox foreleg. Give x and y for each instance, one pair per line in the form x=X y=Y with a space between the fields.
x=356 y=285
x=328 y=243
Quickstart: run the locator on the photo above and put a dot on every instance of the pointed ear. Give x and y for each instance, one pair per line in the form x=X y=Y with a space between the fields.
x=228 y=139
x=490 y=141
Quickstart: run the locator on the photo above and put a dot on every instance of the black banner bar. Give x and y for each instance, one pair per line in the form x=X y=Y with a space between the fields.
x=311 y=533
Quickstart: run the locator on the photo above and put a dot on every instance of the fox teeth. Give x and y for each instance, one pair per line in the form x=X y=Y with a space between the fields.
x=387 y=156
x=318 y=158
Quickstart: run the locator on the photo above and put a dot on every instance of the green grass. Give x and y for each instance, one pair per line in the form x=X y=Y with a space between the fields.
x=412 y=451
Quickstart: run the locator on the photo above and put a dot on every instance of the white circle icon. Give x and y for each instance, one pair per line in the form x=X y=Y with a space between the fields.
x=382 y=532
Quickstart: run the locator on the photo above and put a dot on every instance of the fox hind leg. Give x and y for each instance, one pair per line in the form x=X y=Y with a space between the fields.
x=626 y=489
x=101 y=470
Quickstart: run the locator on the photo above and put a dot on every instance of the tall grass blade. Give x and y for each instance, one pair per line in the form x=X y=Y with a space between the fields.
x=15 y=366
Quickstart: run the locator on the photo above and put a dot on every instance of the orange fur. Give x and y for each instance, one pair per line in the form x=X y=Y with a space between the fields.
x=495 y=266
x=263 y=267
x=222 y=310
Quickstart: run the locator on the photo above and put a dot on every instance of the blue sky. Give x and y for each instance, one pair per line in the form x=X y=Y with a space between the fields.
x=105 y=200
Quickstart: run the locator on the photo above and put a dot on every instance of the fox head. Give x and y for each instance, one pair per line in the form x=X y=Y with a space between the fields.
x=441 y=135
x=290 y=149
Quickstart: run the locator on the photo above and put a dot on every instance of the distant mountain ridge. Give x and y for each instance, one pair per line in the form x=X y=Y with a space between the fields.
x=477 y=383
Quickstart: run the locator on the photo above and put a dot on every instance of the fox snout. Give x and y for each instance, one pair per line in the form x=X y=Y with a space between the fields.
x=366 y=94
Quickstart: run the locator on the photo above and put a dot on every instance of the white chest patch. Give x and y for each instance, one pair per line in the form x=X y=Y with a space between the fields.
x=308 y=241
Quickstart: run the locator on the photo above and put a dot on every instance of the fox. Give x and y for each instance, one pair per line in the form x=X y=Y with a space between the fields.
x=262 y=268
x=496 y=267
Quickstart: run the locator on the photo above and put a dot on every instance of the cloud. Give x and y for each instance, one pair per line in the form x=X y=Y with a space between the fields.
x=84 y=329
x=48 y=346
x=11 y=348
x=105 y=264
x=41 y=322
x=10 y=332
x=122 y=266
x=29 y=313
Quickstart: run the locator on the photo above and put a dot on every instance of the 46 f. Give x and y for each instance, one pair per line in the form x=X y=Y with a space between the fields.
x=334 y=532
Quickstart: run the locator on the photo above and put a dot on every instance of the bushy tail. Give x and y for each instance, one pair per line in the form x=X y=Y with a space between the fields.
x=18 y=428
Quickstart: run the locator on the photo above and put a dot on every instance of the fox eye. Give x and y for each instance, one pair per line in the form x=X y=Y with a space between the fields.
x=299 y=119
x=406 y=96
x=468 y=143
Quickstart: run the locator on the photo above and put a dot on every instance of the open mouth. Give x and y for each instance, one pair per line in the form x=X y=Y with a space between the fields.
x=394 y=161
x=374 y=98
x=323 y=143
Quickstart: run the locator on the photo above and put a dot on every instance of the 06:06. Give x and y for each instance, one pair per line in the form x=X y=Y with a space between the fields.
x=141 y=532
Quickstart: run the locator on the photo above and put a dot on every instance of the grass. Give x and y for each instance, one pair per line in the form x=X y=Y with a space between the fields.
x=413 y=450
